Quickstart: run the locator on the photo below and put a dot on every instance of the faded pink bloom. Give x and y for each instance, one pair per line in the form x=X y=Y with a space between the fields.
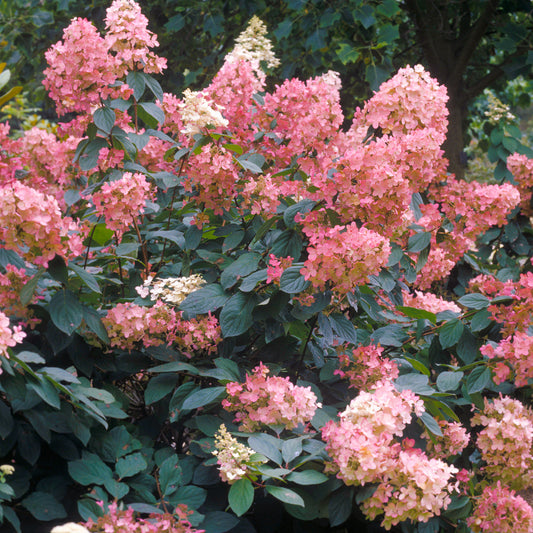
x=429 y=302
x=9 y=337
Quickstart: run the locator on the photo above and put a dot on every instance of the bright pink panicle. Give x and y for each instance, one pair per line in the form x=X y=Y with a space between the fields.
x=122 y=201
x=498 y=509
x=31 y=224
x=276 y=267
x=80 y=69
x=366 y=366
x=269 y=400
x=506 y=442
x=122 y=521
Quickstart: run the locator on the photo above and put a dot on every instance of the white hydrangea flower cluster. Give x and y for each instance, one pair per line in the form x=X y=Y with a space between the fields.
x=71 y=527
x=198 y=112
x=170 y=290
x=235 y=460
x=252 y=45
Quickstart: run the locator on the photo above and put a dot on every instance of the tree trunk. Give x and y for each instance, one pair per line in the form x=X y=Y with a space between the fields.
x=454 y=144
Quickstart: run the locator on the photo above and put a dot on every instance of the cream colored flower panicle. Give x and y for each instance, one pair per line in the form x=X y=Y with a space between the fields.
x=71 y=527
x=234 y=458
x=198 y=112
x=170 y=290
x=497 y=110
x=252 y=45
x=7 y=470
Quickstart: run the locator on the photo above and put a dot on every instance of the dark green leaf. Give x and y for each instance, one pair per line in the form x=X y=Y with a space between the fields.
x=130 y=465
x=204 y=300
x=431 y=424
x=241 y=496
x=417 y=383
x=160 y=386
x=474 y=301
x=117 y=489
x=86 y=277
x=65 y=311
x=104 y=119
x=303 y=207
x=285 y=495
x=418 y=242
x=193 y=497
x=151 y=113
x=43 y=506
x=137 y=82
x=450 y=333
x=292 y=281
x=218 y=522
x=478 y=379
x=89 y=470
x=244 y=265
x=307 y=477
x=288 y=244
x=204 y=397
x=467 y=348
x=343 y=328
x=340 y=506
x=26 y=293
x=236 y=315
x=268 y=446
x=89 y=157
x=291 y=449
x=449 y=381
x=170 y=475
x=481 y=320
x=249 y=282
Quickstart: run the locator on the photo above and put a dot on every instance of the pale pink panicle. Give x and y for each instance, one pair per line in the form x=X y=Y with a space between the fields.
x=115 y=521
x=396 y=107
x=499 y=509
x=276 y=267
x=121 y=202
x=366 y=366
x=31 y=224
x=453 y=441
x=80 y=69
x=130 y=326
x=269 y=400
x=428 y=302
x=522 y=169
x=9 y=337
x=11 y=284
x=506 y=442
x=129 y=38
x=364 y=447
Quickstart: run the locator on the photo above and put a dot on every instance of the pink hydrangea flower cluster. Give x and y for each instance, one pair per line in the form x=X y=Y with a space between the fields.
x=364 y=448
x=500 y=509
x=9 y=337
x=31 y=224
x=80 y=69
x=129 y=326
x=453 y=441
x=416 y=489
x=343 y=255
x=122 y=201
x=522 y=169
x=269 y=400
x=516 y=347
x=506 y=442
x=120 y=521
x=276 y=267
x=129 y=38
x=11 y=284
x=428 y=302
x=366 y=366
